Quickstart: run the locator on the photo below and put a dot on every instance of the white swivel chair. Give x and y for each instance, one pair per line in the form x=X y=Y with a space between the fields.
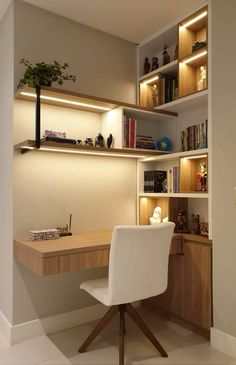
x=138 y=269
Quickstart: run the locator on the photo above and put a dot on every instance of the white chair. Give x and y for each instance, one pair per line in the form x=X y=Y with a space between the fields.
x=138 y=269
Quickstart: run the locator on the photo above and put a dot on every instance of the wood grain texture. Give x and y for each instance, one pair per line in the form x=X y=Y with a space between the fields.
x=197 y=296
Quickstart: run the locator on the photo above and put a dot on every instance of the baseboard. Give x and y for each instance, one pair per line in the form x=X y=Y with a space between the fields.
x=223 y=342
x=38 y=327
x=5 y=327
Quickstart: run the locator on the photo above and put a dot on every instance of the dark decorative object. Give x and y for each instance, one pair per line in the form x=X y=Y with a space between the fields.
x=88 y=142
x=155 y=63
x=99 y=140
x=109 y=140
x=176 y=55
x=155 y=181
x=147 y=66
x=195 y=224
x=181 y=222
x=79 y=142
x=166 y=57
x=44 y=74
x=198 y=45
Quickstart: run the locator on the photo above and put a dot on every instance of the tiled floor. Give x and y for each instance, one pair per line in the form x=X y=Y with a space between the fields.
x=61 y=348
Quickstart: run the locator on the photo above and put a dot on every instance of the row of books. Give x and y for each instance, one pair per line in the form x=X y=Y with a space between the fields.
x=158 y=181
x=134 y=140
x=194 y=137
x=169 y=89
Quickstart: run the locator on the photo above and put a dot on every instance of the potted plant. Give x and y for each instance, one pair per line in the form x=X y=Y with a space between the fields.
x=44 y=74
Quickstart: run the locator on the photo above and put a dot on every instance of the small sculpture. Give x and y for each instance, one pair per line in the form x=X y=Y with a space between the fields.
x=109 y=141
x=176 y=55
x=156 y=217
x=155 y=63
x=147 y=66
x=181 y=224
x=203 y=78
x=155 y=95
x=195 y=224
x=166 y=57
x=203 y=174
x=79 y=142
x=198 y=45
x=99 y=140
x=88 y=142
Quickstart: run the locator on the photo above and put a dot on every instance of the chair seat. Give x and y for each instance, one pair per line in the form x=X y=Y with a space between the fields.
x=98 y=289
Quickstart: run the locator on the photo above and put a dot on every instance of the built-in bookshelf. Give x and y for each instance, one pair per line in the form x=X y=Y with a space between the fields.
x=186 y=72
x=187 y=95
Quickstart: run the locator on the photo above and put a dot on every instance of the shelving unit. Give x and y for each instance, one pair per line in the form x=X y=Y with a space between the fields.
x=111 y=117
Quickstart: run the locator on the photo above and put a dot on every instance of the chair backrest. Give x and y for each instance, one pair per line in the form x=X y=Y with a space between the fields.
x=138 y=266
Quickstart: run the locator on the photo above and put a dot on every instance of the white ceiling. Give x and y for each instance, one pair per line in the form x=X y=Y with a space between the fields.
x=133 y=20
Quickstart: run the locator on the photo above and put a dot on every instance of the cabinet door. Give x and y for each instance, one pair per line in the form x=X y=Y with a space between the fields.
x=172 y=299
x=197 y=273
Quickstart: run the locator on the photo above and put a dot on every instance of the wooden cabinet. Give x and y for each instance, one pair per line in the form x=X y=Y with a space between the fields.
x=197 y=288
x=188 y=296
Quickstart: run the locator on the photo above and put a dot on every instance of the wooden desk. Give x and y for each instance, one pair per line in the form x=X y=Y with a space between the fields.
x=81 y=251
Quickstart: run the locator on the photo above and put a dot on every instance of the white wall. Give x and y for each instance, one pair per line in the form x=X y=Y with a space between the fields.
x=6 y=156
x=103 y=64
x=223 y=109
x=99 y=192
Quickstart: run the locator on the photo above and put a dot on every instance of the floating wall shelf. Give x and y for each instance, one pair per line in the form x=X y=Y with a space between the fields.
x=46 y=146
x=74 y=100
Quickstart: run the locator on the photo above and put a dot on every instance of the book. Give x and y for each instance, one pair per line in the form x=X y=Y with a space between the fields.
x=155 y=181
x=194 y=137
x=175 y=179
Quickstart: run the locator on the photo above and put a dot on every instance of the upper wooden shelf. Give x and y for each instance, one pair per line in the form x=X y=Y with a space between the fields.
x=48 y=146
x=75 y=100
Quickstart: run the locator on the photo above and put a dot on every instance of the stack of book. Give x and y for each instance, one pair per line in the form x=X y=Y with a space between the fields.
x=129 y=128
x=173 y=180
x=194 y=137
x=145 y=142
x=169 y=89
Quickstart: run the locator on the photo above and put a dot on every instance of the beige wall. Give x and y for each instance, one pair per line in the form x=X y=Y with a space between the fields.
x=6 y=155
x=99 y=192
x=104 y=65
x=223 y=108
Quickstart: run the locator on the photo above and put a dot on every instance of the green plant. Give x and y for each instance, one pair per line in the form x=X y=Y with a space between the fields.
x=43 y=74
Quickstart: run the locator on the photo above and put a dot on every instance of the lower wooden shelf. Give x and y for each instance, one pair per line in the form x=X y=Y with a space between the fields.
x=48 y=146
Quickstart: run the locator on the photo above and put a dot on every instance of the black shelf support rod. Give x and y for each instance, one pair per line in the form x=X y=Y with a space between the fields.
x=38 y=118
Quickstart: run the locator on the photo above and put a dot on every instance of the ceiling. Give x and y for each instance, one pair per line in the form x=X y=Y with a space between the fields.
x=133 y=20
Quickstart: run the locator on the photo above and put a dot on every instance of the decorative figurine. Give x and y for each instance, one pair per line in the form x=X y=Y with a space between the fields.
x=155 y=95
x=176 y=55
x=203 y=174
x=204 y=228
x=79 y=142
x=109 y=141
x=181 y=224
x=198 y=45
x=99 y=140
x=195 y=224
x=88 y=142
x=156 y=217
x=201 y=84
x=166 y=57
x=147 y=66
x=155 y=63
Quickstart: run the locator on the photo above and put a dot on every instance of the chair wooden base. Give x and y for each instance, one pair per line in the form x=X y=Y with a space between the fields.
x=129 y=309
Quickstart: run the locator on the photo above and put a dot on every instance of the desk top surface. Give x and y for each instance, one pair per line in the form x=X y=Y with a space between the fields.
x=79 y=242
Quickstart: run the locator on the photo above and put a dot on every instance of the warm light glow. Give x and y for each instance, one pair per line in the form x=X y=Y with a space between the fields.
x=69 y=102
x=61 y=150
x=194 y=20
x=151 y=80
x=199 y=55
x=193 y=157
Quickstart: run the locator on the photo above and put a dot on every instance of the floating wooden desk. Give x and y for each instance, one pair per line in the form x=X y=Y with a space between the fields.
x=81 y=251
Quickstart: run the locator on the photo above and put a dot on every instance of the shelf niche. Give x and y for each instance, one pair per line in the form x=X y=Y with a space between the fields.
x=188 y=34
x=189 y=169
